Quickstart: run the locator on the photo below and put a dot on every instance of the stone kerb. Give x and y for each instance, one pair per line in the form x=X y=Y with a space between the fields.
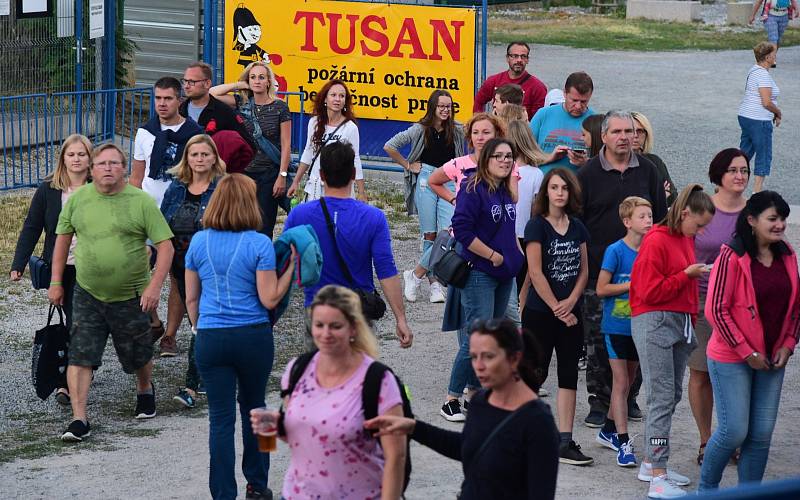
x=664 y=10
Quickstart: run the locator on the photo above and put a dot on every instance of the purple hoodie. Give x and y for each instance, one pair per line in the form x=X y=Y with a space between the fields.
x=491 y=218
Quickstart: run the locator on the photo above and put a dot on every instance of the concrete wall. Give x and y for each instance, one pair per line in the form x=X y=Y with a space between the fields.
x=664 y=10
x=739 y=12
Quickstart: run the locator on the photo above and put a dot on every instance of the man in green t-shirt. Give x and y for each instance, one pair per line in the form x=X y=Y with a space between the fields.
x=114 y=292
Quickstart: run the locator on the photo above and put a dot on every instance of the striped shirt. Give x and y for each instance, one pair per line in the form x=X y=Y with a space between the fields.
x=751 y=106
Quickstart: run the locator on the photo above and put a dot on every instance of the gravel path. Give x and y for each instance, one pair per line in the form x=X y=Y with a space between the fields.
x=168 y=457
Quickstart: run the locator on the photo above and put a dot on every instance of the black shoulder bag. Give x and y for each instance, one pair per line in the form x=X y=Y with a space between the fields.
x=372 y=305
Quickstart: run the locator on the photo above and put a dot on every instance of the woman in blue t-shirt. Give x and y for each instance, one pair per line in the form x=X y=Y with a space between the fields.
x=231 y=283
x=555 y=246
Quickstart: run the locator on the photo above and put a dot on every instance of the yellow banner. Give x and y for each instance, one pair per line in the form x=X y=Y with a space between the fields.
x=391 y=56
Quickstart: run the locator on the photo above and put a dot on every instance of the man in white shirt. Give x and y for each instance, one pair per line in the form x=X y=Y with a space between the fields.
x=159 y=146
x=165 y=135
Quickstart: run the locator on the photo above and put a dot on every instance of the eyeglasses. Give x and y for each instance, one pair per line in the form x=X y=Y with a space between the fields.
x=523 y=57
x=443 y=106
x=191 y=83
x=502 y=157
x=109 y=163
x=734 y=171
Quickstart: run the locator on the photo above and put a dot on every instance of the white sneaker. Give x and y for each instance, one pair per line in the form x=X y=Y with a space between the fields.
x=662 y=487
x=437 y=293
x=646 y=474
x=410 y=285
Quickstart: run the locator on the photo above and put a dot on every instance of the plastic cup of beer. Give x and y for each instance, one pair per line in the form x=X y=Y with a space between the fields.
x=266 y=429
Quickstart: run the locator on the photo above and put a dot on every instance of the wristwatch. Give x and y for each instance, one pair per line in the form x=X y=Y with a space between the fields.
x=283 y=174
x=755 y=355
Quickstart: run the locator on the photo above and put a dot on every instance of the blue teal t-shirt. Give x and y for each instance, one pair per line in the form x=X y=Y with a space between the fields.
x=227 y=263
x=618 y=260
x=552 y=126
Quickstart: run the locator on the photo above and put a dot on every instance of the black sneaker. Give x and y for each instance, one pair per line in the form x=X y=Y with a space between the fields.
x=634 y=412
x=76 y=431
x=145 y=405
x=595 y=419
x=254 y=493
x=465 y=408
x=451 y=411
x=570 y=453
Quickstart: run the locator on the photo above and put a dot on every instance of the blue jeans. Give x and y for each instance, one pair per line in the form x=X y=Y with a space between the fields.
x=226 y=358
x=757 y=140
x=747 y=402
x=484 y=297
x=434 y=212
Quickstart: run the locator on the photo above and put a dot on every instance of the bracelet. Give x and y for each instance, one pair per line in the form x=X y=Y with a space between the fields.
x=491 y=255
x=59 y=283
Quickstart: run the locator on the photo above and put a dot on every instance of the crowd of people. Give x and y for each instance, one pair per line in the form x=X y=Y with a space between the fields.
x=573 y=235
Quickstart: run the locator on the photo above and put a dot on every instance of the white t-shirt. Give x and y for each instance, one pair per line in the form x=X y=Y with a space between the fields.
x=346 y=133
x=142 y=149
x=751 y=107
x=530 y=181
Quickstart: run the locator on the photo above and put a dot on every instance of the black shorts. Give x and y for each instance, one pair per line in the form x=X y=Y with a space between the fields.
x=553 y=334
x=621 y=347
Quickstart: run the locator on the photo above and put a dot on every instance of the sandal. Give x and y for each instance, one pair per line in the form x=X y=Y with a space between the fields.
x=701 y=453
x=62 y=397
x=157 y=331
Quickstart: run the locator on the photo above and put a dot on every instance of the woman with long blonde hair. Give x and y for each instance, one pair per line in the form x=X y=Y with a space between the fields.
x=71 y=173
x=269 y=122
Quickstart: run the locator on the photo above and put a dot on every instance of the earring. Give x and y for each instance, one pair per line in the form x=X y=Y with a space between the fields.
x=352 y=339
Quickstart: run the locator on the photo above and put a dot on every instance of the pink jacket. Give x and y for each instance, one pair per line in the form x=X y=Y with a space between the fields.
x=732 y=311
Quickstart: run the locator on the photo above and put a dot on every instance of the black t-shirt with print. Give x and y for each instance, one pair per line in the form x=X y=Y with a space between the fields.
x=561 y=258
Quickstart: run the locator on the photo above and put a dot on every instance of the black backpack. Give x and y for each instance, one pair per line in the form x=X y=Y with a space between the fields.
x=369 y=398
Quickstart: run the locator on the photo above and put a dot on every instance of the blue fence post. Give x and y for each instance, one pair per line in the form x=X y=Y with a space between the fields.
x=210 y=35
x=79 y=63
x=485 y=36
x=110 y=69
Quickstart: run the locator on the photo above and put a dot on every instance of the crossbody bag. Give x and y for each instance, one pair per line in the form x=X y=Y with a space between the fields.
x=372 y=305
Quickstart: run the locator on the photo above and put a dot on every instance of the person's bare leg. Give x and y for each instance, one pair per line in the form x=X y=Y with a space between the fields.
x=758 y=185
x=619 y=393
x=175 y=309
x=565 y=402
x=79 y=379
x=144 y=377
x=701 y=400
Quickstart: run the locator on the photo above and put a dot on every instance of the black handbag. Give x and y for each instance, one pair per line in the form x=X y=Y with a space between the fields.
x=372 y=305
x=40 y=272
x=451 y=269
x=49 y=360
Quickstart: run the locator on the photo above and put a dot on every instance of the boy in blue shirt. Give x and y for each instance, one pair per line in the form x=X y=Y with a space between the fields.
x=613 y=284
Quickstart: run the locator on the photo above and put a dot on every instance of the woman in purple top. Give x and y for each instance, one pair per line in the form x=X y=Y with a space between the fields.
x=730 y=172
x=484 y=225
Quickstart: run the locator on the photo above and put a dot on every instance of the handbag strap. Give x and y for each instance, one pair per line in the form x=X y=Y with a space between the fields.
x=494 y=434
x=316 y=155
x=332 y=231
x=51 y=311
x=266 y=146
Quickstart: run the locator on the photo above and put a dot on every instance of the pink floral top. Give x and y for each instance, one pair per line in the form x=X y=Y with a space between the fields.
x=332 y=455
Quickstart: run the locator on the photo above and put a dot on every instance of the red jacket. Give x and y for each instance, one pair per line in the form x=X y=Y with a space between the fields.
x=732 y=311
x=533 y=99
x=658 y=282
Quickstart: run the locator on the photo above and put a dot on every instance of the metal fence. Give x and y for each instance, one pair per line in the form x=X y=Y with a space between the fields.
x=48 y=54
x=32 y=127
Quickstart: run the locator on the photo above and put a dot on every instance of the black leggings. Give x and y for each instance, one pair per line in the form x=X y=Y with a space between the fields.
x=552 y=333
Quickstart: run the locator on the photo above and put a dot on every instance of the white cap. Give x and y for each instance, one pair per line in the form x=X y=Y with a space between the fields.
x=554 y=96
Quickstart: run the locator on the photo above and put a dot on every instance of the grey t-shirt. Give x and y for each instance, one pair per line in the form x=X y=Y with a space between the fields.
x=269 y=116
x=194 y=111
